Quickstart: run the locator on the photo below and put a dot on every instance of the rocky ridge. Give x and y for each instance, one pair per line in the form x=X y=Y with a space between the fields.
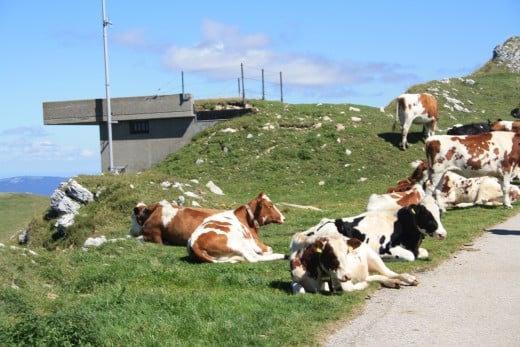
x=508 y=54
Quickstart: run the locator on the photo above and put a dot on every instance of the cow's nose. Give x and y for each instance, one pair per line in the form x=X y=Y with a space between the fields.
x=441 y=236
x=346 y=277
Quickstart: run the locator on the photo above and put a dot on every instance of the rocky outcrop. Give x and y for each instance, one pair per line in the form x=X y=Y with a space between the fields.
x=508 y=54
x=66 y=202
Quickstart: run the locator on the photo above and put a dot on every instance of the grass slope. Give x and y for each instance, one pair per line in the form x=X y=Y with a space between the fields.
x=18 y=210
x=126 y=293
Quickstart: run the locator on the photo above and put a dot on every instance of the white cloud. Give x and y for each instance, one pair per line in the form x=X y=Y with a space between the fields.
x=223 y=48
x=31 y=131
x=32 y=143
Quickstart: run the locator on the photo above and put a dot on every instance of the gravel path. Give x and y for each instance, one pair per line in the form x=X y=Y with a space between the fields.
x=472 y=299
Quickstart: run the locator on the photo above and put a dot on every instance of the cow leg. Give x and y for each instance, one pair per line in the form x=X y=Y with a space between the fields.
x=423 y=253
x=263 y=249
x=376 y=264
x=306 y=284
x=433 y=189
x=349 y=286
x=385 y=281
x=297 y=288
x=270 y=256
x=404 y=132
x=154 y=237
x=506 y=183
x=399 y=253
x=429 y=129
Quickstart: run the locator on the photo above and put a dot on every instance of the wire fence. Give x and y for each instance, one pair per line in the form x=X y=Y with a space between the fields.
x=249 y=83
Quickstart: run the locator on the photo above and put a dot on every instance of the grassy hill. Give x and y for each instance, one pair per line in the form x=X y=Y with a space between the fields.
x=18 y=210
x=127 y=293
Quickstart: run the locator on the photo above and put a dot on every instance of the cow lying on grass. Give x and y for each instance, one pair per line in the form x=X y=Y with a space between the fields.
x=455 y=190
x=167 y=223
x=327 y=261
x=459 y=192
x=232 y=236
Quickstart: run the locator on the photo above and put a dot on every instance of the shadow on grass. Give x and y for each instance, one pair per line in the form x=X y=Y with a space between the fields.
x=395 y=138
x=286 y=287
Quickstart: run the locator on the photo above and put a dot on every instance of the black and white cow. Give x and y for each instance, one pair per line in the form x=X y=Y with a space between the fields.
x=469 y=129
x=393 y=234
x=321 y=263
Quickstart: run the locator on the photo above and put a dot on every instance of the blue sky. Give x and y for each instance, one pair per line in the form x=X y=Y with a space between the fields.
x=357 y=52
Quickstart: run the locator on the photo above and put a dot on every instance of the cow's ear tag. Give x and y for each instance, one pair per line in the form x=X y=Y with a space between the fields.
x=350 y=248
x=413 y=210
x=319 y=250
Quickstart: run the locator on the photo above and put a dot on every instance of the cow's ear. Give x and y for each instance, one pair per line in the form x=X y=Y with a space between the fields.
x=320 y=244
x=354 y=243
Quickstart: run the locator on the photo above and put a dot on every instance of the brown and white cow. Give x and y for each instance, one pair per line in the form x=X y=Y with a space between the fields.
x=396 y=199
x=416 y=109
x=456 y=191
x=232 y=236
x=459 y=192
x=165 y=222
x=505 y=125
x=490 y=154
x=330 y=261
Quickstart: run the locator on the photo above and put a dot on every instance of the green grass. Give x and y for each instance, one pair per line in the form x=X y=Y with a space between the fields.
x=17 y=210
x=132 y=294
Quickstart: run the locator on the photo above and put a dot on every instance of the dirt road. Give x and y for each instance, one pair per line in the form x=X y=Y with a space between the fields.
x=471 y=300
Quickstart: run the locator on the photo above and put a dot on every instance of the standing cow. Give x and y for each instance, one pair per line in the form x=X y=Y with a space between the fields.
x=416 y=109
x=489 y=154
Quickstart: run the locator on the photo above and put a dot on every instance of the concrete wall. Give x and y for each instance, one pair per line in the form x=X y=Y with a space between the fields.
x=136 y=152
x=171 y=120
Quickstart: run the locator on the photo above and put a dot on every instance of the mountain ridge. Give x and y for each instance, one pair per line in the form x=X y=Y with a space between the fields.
x=37 y=185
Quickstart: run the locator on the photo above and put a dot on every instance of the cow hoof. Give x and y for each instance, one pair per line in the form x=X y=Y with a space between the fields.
x=409 y=279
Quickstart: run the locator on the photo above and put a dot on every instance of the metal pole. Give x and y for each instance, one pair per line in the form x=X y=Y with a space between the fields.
x=281 y=87
x=238 y=81
x=243 y=90
x=182 y=79
x=107 y=88
x=263 y=86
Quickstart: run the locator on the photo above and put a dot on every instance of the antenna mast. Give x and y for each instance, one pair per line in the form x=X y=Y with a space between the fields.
x=106 y=22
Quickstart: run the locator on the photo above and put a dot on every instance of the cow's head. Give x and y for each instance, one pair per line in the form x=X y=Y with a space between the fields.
x=425 y=217
x=263 y=211
x=332 y=256
x=139 y=215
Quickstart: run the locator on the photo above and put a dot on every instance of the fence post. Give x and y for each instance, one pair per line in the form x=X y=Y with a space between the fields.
x=281 y=87
x=263 y=86
x=243 y=90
